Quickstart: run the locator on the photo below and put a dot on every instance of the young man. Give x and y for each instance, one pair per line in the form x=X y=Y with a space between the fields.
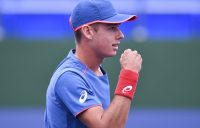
x=78 y=95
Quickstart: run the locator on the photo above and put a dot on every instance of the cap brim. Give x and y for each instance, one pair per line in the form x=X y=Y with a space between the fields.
x=119 y=18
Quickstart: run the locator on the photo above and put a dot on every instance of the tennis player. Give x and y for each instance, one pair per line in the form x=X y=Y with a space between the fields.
x=78 y=95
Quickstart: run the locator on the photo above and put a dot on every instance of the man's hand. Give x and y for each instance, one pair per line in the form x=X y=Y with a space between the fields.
x=131 y=60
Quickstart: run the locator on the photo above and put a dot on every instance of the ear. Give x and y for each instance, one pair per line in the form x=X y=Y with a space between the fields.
x=87 y=31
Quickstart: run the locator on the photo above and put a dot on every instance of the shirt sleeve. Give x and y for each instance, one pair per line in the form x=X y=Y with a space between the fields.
x=75 y=93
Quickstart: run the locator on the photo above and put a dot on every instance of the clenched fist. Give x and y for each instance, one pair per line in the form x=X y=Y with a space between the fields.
x=131 y=60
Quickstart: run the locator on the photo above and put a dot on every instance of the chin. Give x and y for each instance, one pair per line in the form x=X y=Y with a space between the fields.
x=111 y=54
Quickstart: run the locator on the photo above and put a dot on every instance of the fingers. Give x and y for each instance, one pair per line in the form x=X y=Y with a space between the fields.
x=129 y=51
x=131 y=60
x=139 y=57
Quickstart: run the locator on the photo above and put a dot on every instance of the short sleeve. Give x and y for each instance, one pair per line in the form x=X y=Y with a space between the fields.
x=74 y=92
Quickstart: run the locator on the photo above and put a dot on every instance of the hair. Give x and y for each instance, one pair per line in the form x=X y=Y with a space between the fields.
x=78 y=33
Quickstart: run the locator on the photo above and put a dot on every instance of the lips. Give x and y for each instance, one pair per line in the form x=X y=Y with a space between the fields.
x=115 y=45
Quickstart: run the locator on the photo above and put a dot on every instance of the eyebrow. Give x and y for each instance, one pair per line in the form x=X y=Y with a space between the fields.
x=116 y=24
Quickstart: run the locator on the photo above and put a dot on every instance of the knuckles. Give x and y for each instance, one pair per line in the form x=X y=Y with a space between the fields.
x=131 y=60
x=130 y=54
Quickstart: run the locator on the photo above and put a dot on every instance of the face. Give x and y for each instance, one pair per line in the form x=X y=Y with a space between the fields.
x=106 y=39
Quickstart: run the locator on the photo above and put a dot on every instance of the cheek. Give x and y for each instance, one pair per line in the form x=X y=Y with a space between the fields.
x=103 y=44
x=106 y=40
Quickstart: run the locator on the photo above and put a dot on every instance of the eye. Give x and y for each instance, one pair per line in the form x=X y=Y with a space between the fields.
x=113 y=28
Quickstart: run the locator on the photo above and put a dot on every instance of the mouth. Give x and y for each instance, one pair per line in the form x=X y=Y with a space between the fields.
x=115 y=46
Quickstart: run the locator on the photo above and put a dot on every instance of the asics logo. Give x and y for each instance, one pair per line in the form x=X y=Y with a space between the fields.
x=83 y=96
x=127 y=89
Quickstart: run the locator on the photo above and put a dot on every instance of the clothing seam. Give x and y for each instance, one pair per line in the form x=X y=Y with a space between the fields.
x=84 y=109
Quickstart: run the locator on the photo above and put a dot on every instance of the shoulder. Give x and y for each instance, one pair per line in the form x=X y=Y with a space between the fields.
x=71 y=76
x=70 y=80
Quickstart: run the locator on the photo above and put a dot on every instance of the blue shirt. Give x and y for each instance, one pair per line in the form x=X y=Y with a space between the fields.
x=73 y=89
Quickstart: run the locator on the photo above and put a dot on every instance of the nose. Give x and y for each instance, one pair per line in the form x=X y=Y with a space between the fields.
x=120 y=34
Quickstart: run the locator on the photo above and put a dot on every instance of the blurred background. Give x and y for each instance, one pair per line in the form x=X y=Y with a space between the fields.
x=35 y=36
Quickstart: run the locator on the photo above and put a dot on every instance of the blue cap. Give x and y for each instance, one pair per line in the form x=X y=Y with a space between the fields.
x=93 y=11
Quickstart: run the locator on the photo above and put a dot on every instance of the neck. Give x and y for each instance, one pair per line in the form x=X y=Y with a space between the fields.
x=89 y=58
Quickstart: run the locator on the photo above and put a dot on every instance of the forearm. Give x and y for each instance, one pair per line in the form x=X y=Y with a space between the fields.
x=116 y=114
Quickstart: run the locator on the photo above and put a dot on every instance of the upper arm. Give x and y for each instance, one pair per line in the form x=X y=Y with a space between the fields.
x=74 y=93
x=92 y=117
x=114 y=116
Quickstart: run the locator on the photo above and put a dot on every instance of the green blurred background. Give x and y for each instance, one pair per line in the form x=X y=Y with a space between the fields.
x=170 y=75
